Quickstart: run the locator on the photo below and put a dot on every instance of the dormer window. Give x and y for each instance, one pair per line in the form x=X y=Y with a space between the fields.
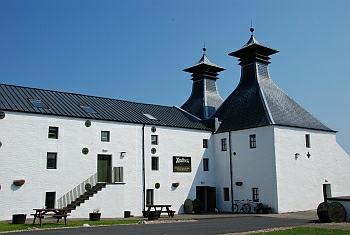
x=38 y=103
x=87 y=109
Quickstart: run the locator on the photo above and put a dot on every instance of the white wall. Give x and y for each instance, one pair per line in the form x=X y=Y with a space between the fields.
x=300 y=180
x=178 y=142
x=254 y=167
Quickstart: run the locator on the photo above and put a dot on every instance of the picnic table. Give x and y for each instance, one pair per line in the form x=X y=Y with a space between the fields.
x=160 y=209
x=53 y=212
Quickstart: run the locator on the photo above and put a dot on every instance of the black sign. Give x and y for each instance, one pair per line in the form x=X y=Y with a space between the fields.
x=181 y=164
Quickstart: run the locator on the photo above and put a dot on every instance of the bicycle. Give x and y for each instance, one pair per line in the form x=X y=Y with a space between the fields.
x=257 y=207
x=241 y=206
x=246 y=207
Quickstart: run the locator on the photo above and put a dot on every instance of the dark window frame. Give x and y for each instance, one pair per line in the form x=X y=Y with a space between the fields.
x=155 y=163
x=205 y=143
x=53 y=132
x=51 y=160
x=205 y=164
x=154 y=139
x=226 y=194
x=307 y=141
x=252 y=141
x=107 y=137
x=255 y=192
x=223 y=144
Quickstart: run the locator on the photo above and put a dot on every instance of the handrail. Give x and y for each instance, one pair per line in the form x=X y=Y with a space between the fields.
x=80 y=188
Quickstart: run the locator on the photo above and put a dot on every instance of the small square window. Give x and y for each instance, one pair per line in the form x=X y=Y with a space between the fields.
x=155 y=163
x=105 y=136
x=53 y=132
x=154 y=139
x=252 y=139
x=205 y=164
x=205 y=143
x=51 y=161
x=226 y=194
x=223 y=144
x=255 y=194
x=307 y=141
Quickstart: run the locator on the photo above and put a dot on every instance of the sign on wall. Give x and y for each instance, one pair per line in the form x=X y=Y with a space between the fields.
x=181 y=164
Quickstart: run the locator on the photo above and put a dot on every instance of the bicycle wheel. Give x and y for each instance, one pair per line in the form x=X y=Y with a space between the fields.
x=246 y=208
x=235 y=208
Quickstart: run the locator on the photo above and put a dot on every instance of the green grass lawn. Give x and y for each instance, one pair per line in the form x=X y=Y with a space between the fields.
x=8 y=226
x=306 y=230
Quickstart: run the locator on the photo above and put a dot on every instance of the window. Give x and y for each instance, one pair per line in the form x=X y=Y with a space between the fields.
x=50 y=199
x=105 y=136
x=149 y=116
x=53 y=132
x=205 y=143
x=118 y=174
x=223 y=144
x=38 y=103
x=51 y=161
x=155 y=163
x=255 y=194
x=226 y=194
x=88 y=109
x=252 y=141
x=307 y=141
x=154 y=139
x=205 y=164
x=149 y=197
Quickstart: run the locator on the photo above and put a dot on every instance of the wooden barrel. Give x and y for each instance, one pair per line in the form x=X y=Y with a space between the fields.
x=337 y=212
x=322 y=212
x=197 y=206
x=188 y=206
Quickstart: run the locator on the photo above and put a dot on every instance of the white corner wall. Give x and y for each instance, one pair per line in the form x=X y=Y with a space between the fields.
x=300 y=179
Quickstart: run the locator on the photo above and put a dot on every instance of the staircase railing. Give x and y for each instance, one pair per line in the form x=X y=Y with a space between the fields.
x=107 y=175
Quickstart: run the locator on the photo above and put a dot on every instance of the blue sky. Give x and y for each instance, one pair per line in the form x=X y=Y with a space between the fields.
x=135 y=50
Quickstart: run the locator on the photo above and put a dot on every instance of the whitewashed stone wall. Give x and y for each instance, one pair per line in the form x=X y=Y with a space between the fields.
x=300 y=179
x=25 y=144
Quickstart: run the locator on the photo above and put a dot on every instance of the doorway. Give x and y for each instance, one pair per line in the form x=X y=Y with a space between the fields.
x=104 y=168
x=50 y=200
x=207 y=196
x=327 y=193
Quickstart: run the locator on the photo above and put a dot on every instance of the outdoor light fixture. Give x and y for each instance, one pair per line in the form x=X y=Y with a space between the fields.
x=297 y=155
x=123 y=154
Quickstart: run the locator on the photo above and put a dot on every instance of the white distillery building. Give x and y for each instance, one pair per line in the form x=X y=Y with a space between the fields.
x=258 y=144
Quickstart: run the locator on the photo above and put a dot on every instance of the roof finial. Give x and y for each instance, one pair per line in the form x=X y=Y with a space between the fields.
x=251 y=27
x=204 y=48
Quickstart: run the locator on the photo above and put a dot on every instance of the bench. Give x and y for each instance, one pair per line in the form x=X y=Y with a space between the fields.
x=55 y=213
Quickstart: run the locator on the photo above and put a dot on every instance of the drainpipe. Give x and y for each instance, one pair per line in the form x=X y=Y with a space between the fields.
x=231 y=175
x=143 y=169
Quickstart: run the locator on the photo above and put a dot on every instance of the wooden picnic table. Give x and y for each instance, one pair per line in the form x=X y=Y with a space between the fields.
x=54 y=212
x=160 y=208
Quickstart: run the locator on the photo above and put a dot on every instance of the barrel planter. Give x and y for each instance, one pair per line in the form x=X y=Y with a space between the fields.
x=153 y=215
x=94 y=216
x=19 y=218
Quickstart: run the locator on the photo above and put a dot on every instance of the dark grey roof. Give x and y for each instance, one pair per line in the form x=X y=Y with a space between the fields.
x=257 y=101
x=17 y=99
x=205 y=98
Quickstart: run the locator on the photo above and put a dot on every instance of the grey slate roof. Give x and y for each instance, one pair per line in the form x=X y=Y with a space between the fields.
x=16 y=98
x=257 y=101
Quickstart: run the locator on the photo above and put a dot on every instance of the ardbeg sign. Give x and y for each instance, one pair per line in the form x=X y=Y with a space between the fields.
x=181 y=164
